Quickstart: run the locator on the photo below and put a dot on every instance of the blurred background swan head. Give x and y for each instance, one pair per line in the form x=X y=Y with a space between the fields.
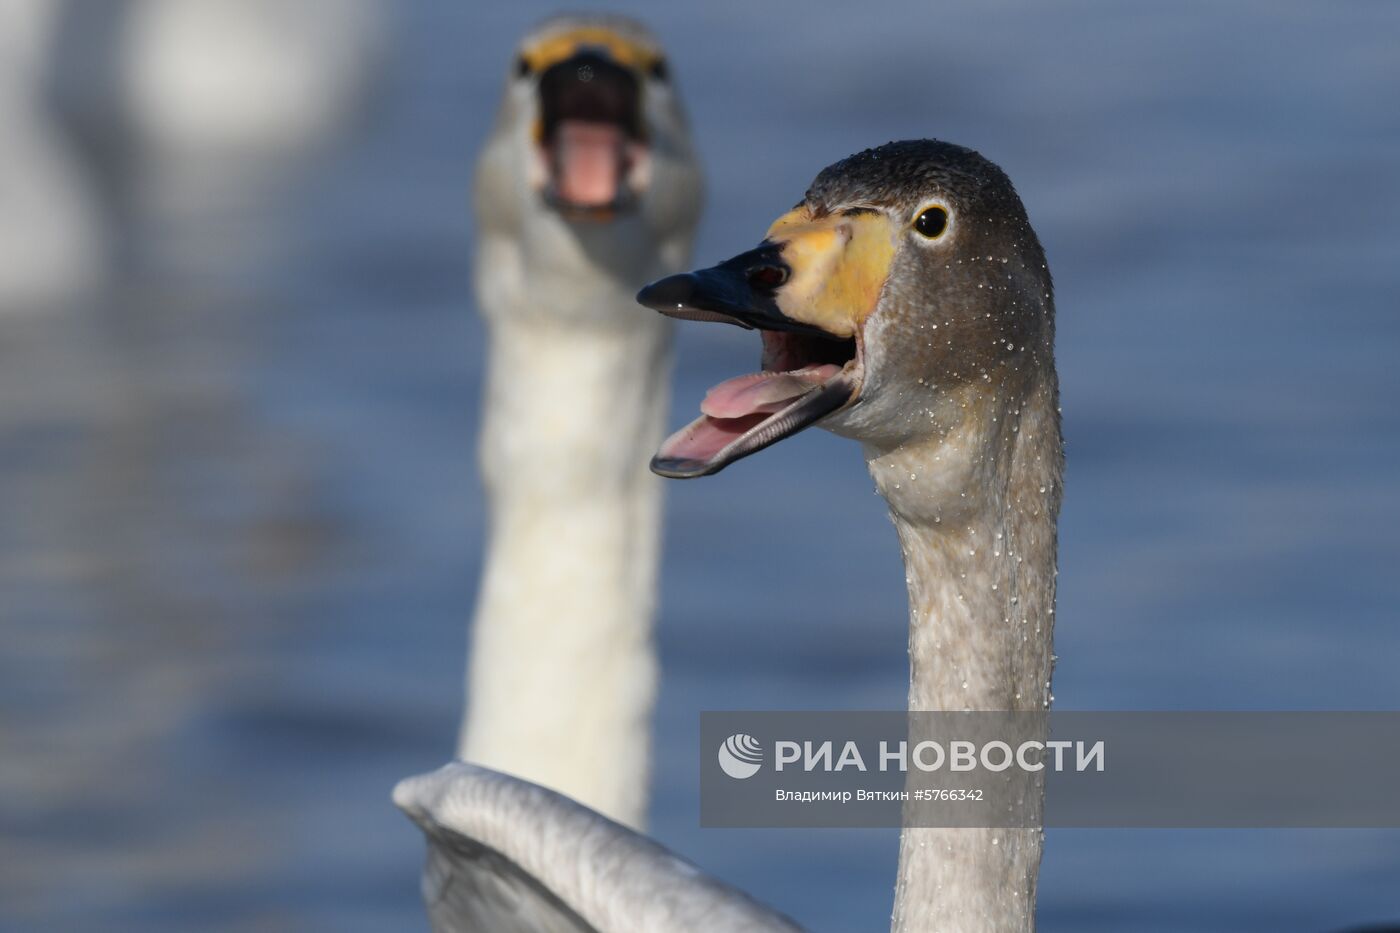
x=591 y=135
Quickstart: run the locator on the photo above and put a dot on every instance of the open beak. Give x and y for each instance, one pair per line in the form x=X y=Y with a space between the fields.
x=808 y=288
x=591 y=138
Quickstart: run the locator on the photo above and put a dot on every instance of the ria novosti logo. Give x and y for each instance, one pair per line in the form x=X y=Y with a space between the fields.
x=740 y=756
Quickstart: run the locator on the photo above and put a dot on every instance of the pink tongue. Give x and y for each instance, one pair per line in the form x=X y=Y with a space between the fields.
x=588 y=161
x=738 y=405
x=705 y=436
x=763 y=392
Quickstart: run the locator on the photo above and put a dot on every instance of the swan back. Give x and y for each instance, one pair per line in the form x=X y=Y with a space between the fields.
x=507 y=855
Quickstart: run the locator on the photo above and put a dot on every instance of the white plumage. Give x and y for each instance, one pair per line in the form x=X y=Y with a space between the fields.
x=51 y=248
x=562 y=673
x=507 y=856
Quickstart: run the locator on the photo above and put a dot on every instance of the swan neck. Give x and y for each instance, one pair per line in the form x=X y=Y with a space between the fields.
x=975 y=511
x=562 y=674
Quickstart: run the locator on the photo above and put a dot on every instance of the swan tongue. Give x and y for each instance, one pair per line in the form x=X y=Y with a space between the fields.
x=703 y=439
x=754 y=412
x=589 y=161
x=763 y=392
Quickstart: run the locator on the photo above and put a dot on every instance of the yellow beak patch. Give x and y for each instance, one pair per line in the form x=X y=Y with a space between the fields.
x=553 y=49
x=839 y=265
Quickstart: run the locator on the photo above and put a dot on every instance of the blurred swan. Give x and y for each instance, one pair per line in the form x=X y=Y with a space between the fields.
x=587 y=188
x=51 y=249
x=220 y=80
x=235 y=78
x=904 y=303
x=195 y=115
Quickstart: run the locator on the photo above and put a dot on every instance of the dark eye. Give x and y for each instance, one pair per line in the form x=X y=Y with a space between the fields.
x=766 y=277
x=659 y=70
x=932 y=222
x=522 y=67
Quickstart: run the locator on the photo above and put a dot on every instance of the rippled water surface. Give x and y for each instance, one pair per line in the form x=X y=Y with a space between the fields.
x=241 y=524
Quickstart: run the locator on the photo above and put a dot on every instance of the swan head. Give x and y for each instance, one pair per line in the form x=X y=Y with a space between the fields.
x=590 y=129
x=906 y=282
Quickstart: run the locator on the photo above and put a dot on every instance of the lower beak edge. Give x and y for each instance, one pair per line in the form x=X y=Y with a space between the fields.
x=708 y=445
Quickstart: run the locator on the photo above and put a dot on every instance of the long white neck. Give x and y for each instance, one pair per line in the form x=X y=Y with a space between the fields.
x=562 y=674
x=975 y=510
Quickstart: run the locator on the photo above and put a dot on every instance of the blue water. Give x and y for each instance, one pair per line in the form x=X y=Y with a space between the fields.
x=242 y=527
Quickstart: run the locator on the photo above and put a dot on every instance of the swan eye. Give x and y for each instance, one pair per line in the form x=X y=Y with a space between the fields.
x=931 y=222
x=766 y=277
x=522 y=67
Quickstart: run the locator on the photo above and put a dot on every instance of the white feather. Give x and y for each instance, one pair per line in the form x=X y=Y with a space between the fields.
x=562 y=672
x=507 y=856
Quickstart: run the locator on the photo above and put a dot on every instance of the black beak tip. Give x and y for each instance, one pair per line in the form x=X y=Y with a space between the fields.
x=682 y=468
x=668 y=293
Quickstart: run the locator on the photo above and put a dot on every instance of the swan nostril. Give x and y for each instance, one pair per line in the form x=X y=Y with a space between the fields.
x=766 y=277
